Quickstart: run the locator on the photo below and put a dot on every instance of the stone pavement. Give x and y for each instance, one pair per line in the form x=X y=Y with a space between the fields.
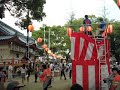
x=57 y=84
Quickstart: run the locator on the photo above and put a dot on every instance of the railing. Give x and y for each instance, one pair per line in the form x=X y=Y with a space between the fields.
x=14 y=47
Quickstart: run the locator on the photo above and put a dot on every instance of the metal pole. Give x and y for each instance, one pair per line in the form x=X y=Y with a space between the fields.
x=49 y=39
x=49 y=42
x=44 y=33
x=44 y=39
x=27 y=44
x=28 y=36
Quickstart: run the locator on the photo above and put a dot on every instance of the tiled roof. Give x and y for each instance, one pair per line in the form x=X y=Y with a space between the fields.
x=24 y=39
x=11 y=32
x=7 y=29
x=5 y=37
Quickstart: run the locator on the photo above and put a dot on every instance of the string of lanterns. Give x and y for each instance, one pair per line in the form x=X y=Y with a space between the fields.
x=109 y=30
x=44 y=46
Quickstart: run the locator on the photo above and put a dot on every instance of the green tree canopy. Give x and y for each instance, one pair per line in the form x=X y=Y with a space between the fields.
x=59 y=40
x=17 y=8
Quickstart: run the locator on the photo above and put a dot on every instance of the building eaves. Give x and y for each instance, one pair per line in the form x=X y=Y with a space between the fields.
x=8 y=30
x=5 y=37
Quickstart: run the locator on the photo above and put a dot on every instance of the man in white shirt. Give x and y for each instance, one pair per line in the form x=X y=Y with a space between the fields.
x=51 y=66
x=10 y=70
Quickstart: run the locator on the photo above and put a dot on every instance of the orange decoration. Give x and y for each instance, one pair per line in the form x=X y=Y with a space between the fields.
x=118 y=3
x=89 y=28
x=30 y=28
x=103 y=34
x=46 y=49
x=51 y=54
x=39 y=40
x=54 y=55
x=69 y=31
x=110 y=29
x=49 y=51
x=81 y=29
x=44 y=46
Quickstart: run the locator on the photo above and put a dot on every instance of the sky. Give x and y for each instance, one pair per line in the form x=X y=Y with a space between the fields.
x=58 y=11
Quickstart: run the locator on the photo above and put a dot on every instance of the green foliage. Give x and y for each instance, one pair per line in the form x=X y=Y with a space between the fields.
x=60 y=42
x=115 y=43
x=115 y=1
x=17 y=8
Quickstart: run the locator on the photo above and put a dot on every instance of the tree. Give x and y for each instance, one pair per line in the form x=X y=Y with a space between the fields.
x=114 y=38
x=77 y=23
x=18 y=8
x=60 y=41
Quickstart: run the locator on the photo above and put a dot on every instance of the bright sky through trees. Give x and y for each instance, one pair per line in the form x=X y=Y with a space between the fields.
x=58 y=11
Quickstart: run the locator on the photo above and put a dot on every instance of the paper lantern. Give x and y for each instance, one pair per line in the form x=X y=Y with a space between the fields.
x=30 y=28
x=82 y=29
x=104 y=34
x=39 y=40
x=118 y=3
x=46 y=49
x=89 y=28
x=69 y=31
x=49 y=51
x=51 y=54
x=109 y=29
x=44 y=46
x=58 y=56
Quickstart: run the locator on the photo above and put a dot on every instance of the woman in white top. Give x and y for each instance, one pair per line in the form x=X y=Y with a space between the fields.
x=23 y=73
x=10 y=70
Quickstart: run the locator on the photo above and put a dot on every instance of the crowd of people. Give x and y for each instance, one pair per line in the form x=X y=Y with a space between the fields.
x=43 y=71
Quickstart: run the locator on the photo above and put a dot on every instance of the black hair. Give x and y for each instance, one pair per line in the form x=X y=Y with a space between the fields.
x=24 y=66
x=101 y=19
x=44 y=66
x=86 y=16
x=1 y=68
x=76 y=87
x=48 y=65
x=115 y=69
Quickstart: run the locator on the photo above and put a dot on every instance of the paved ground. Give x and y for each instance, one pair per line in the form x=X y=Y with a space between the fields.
x=57 y=84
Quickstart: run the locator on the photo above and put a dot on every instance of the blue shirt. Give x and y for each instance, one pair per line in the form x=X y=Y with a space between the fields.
x=87 y=21
x=102 y=25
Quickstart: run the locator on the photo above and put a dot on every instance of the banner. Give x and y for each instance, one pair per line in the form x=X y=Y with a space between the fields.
x=85 y=62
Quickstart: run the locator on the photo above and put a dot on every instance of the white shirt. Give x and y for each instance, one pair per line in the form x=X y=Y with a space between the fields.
x=51 y=66
x=10 y=68
x=23 y=70
x=70 y=66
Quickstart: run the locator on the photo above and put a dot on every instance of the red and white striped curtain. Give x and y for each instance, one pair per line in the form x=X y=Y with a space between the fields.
x=85 y=61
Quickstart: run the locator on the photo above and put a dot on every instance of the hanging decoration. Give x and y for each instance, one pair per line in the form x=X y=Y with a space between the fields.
x=39 y=40
x=31 y=28
x=46 y=49
x=81 y=29
x=89 y=28
x=109 y=29
x=44 y=46
x=118 y=3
